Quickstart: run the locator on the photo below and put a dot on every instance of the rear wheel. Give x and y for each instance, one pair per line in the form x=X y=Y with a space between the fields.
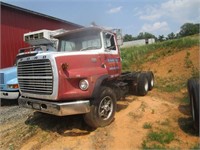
x=142 y=87
x=102 y=109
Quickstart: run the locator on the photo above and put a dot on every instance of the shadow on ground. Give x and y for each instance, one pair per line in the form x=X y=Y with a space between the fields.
x=186 y=124
x=8 y=102
x=66 y=126
x=184 y=109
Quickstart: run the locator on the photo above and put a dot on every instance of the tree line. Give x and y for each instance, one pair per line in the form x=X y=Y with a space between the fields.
x=185 y=30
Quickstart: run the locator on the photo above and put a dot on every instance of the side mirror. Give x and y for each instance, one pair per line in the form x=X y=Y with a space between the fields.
x=118 y=33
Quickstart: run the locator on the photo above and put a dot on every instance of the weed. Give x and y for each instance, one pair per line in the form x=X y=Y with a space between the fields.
x=162 y=137
x=170 y=84
x=158 y=140
x=169 y=88
x=146 y=145
x=147 y=125
x=44 y=137
x=185 y=99
x=195 y=72
x=135 y=115
x=188 y=62
x=152 y=111
x=11 y=147
x=143 y=106
x=165 y=122
x=32 y=129
x=195 y=147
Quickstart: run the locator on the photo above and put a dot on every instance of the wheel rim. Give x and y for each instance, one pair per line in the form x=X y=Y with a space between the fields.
x=105 y=108
x=152 y=83
x=146 y=86
x=193 y=114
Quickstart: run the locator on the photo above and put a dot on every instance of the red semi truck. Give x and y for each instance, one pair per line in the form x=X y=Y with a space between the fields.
x=84 y=76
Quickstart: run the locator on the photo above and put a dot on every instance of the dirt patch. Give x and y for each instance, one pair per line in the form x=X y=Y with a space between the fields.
x=125 y=132
x=175 y=65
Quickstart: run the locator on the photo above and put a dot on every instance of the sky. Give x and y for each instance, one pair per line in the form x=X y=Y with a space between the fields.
x=159 y=17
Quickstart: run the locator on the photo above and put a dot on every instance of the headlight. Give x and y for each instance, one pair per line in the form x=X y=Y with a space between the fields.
x=13 y=86
x=84 y=84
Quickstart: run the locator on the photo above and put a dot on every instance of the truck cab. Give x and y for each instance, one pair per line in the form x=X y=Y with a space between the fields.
x=83 y=77
x=9 y=83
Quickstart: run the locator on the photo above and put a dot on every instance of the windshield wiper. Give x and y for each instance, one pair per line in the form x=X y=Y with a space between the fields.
x=89 y=48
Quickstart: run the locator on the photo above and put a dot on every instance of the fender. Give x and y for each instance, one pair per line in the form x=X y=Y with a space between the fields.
x=98 y=83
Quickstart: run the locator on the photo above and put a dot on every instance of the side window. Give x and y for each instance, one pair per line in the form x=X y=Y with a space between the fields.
x=109 y=41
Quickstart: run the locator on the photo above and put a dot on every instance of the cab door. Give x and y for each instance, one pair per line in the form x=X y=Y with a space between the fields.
x=112 y=58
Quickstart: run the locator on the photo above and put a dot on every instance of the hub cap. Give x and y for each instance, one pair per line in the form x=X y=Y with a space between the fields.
x=105 y=108
x=146 y=86
x=152 y=82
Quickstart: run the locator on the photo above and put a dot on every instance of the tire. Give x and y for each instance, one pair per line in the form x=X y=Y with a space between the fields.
x=142 y=87
x=195 y=94
x=150 y=78
x=190 y=85
x=102 y=109
x=193 y=89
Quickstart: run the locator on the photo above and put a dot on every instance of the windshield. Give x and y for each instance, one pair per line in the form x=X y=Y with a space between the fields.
x=45 y=48
x=80 y=41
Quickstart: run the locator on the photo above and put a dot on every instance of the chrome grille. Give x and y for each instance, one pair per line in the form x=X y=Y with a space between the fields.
x=35 y=76
x=1 y=78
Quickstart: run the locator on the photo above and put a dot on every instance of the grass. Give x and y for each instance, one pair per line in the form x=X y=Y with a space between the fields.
x=189 y=64
x=32 y=129
x=196 y=147
x=162 y=137
x=185 y=99
x=147 y=125
x=138 y=55
x=170 y=84
x=154 y=146
x=166 y=122
x=11 y=147
x=158 y=140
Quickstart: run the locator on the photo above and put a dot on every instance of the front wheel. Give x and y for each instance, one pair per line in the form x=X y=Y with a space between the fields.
x=102 y=109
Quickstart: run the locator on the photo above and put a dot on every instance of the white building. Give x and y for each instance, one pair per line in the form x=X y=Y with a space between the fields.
x=138 y=42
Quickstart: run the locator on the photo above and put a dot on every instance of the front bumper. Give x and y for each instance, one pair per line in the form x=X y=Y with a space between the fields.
x=56 y=108
x=9 y=95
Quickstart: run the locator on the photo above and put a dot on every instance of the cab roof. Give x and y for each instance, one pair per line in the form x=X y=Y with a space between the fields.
x=81 y=30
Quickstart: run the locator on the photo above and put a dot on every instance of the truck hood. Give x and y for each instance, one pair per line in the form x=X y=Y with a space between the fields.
x=8 y=70
x=9 y=75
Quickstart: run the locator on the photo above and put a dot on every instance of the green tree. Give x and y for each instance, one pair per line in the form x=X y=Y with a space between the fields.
x=145 y=35
x=161 y=38
x=128 y=37
x=189 y=29
x=171 y=36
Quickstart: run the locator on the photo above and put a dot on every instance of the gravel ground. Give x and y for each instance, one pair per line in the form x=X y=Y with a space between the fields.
x=11 y=111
